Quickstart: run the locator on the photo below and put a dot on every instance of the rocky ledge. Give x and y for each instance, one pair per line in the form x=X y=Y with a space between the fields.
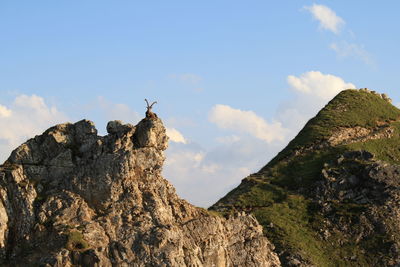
x=72 y=198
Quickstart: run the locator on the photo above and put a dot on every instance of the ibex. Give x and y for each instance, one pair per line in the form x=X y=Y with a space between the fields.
x=150 y=114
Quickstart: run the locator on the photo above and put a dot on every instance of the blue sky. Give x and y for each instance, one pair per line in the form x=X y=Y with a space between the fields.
x=234 y=80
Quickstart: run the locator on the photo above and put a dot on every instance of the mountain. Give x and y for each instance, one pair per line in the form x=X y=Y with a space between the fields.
x=69 y=197
x=332 y=196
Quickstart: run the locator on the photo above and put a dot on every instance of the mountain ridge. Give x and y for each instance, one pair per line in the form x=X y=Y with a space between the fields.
x=312 y=193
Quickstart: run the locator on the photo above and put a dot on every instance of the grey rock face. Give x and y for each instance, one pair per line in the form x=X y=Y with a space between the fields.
x=72 y=198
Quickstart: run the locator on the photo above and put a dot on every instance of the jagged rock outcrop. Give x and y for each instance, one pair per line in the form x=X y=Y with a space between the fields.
x=72 y=198
x=355 y=134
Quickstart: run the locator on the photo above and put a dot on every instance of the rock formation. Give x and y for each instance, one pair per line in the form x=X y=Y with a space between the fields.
x=72 y=198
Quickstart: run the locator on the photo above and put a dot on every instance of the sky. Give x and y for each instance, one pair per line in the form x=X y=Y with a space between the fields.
x=234 y=80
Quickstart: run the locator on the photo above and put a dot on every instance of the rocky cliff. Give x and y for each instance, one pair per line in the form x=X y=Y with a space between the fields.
x=332 y=196
x=72 y=198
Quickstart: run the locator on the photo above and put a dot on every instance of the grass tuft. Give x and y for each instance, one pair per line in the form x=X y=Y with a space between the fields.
x=76 y=242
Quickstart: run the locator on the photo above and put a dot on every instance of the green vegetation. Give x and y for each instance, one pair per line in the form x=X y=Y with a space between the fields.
x=303 y=171
x=281 y=194
x=290 y=221
x=213 y=213
x=76 y=242
x=350 y=108
x=387 y=149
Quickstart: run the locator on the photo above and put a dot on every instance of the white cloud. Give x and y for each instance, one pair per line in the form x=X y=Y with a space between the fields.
x=202 y=176
x=327 y=18
x=26 y=117
x=191 y=158
x=319 y=85
x=210 y=168
x=228 y=139
x=175 y=136
x=248 y=122
x=181 y=161
x=345 y=49
x=4 y=112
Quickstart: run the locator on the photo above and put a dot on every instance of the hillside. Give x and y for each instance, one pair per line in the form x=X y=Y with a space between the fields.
x=332 y=196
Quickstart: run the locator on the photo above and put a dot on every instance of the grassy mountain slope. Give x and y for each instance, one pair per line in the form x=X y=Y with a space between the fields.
x=307 y=220
x=349 y=108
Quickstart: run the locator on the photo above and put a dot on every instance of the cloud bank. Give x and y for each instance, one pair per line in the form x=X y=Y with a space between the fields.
x=175 y=136
x=318 y=85
x=202 y=175
x=226 y=117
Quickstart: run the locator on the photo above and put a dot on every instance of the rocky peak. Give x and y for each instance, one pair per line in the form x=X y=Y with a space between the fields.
x=72 y=198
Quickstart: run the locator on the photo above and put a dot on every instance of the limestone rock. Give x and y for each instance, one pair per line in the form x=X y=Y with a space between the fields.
x=72 y=198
